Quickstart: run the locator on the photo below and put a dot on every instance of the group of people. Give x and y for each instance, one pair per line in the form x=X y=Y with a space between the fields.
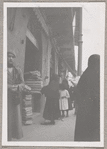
x=86 y=96
x=58 y=101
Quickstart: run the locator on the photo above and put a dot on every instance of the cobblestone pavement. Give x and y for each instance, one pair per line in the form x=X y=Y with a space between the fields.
x=61 y=131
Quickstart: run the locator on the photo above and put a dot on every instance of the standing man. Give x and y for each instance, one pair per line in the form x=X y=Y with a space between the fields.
x=15 y=86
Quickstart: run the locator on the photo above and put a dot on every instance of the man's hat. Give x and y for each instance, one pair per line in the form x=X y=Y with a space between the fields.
x=12 y=53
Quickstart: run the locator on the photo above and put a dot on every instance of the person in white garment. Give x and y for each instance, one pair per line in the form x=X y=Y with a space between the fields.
x=63 y=101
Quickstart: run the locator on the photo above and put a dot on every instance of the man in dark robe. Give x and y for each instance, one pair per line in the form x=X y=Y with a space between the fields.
x=15 y=85
x=88 y=101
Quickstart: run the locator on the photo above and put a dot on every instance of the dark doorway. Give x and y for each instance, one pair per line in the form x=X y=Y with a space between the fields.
x=32 y=63
x=32 y=57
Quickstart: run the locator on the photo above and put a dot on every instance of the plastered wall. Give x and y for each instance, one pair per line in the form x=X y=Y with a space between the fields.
x=16 y=33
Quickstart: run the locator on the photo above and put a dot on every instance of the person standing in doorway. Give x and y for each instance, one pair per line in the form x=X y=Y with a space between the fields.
x=15 y=86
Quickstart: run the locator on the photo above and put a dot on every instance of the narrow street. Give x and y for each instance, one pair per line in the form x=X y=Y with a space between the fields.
x=61 y=131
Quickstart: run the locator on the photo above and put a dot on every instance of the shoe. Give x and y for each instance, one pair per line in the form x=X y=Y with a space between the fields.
x=44 y=123
x=61 y=119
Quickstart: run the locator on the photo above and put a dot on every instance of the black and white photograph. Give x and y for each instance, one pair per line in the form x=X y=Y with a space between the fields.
x=53 y=74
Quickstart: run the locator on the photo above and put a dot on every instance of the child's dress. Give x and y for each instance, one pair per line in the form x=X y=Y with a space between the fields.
x=63 y=101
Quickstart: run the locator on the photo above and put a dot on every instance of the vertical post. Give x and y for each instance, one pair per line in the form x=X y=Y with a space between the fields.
x=80 y=43
x=56 y=63
x=73 y=39
x=49 y=55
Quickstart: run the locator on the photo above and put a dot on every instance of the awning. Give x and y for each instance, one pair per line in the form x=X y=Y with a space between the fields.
x=58 y=25
x=60 y=22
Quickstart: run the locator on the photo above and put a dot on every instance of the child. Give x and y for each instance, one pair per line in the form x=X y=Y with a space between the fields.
x=63 y=101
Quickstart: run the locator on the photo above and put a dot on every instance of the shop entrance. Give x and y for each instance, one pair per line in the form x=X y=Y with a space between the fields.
x=32 y=57
x=32 y=65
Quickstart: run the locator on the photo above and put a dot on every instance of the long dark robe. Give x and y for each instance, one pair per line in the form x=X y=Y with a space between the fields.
x=88 y=101
x=51 y=111
x=71 y=92
x=14 y=112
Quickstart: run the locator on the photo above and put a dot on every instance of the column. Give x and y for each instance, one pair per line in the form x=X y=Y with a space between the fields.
x=80 y=43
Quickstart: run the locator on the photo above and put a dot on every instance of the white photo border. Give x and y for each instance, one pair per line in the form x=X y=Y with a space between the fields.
x=4 y=116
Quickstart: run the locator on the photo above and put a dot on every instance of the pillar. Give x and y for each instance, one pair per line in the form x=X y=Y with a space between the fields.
x=80 y=43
